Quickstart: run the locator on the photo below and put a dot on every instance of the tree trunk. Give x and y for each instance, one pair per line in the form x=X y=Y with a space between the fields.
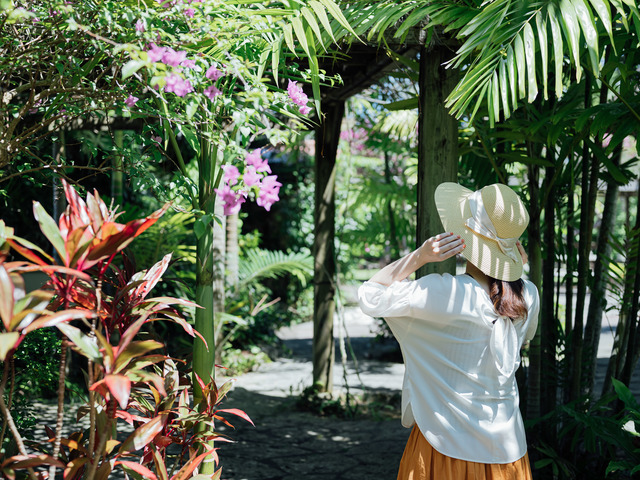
x=532 y=403
x=393 y=233
x=233 y=251
x=589 y=191
x=117 y=174
x=632 y=304
x=598 y=301
x=437 y=145
x=626 y=322
x=209 y=280
x=327 y=138
x=548 y=322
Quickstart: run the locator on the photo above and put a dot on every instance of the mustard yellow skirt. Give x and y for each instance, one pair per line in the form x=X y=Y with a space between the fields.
x=421 y=461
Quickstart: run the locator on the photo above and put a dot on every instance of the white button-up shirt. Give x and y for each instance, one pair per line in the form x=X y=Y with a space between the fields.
x=460 y=360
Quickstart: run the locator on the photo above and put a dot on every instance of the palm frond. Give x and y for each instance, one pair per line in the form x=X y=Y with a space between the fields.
x=507 y=40
x=261 y=264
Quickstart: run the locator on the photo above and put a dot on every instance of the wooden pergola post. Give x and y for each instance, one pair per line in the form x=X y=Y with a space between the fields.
x=327 y=138
x=437 y=145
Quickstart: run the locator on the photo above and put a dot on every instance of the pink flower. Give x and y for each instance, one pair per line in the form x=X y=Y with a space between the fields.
x=188 y=63
x=212 y=92
x=251 y=177
x=189 y=12
x=269 y=190
x=296 y=94
x=173 y=58
x=213 y=73
x=156 y=138
x=131 y=101
x=177 y=84
x=257 y=161
x=156 y=53
x=166 y=3
x=140 y=26
x=298 y=97
x=231 y=201
x=231 y=174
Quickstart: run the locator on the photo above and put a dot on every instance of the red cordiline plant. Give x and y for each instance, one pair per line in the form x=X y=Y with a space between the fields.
x=128 y=379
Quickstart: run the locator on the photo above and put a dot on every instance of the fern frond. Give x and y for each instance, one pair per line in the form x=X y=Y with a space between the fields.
x=260 y=264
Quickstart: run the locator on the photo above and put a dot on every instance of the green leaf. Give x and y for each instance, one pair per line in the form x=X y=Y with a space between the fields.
x=199 y=228
x=590 y=33
x=541 y=27
x=571 y=28
x=406 y=104
x=86 y=345
x=530 y=55
x=335 y=11
x=131 y=67
x=521 y=66
x=604 y=14
x=311 y=20
x=276 y=47
x=8 y=342
x=625 y=394
x=191 y=138
x=504 y=89
x=558 y=54
x=511 y=69
x=322 y=16
x=301 y=36
x=288 y=38
x=50 y=229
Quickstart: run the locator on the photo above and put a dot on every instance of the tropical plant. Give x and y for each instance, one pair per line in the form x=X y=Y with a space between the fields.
x=127 y=379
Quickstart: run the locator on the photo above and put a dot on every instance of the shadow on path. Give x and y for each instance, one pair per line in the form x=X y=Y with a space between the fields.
x=287 y=444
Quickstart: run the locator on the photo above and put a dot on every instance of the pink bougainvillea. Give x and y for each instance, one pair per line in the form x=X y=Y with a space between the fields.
x=177 y=84
x=213 y=73
x=212 y=92
x=131 y=101
x=255 y=182
x=298 y=97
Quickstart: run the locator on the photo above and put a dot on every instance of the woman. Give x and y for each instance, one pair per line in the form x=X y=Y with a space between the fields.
x=461 y=337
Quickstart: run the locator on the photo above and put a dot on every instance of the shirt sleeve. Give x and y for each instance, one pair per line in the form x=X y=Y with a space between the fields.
x=377 y=300
x=534 y=311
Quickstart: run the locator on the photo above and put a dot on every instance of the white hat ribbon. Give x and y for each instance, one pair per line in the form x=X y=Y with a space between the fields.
x=504 y=345
x=480 y=223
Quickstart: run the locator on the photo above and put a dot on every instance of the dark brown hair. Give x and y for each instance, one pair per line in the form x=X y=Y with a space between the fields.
x=507 y=298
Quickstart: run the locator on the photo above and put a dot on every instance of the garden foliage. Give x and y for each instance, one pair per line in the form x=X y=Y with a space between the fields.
x=101 y=306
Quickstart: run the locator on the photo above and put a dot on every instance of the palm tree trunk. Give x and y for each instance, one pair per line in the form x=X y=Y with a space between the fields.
x=327 y=138
x=633 y=344
x=437 y=145
x=621 y=346
x=598 y=302
x=532 y=402
x=548 y=323
x=589 y=190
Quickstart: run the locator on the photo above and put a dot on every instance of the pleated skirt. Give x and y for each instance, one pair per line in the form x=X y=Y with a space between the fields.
x=421 y=461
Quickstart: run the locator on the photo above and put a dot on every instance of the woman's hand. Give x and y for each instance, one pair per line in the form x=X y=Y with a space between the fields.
x=441 y=247
x=436 y=249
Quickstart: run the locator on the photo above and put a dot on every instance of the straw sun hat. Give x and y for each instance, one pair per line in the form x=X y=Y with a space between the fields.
x=490 y=221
